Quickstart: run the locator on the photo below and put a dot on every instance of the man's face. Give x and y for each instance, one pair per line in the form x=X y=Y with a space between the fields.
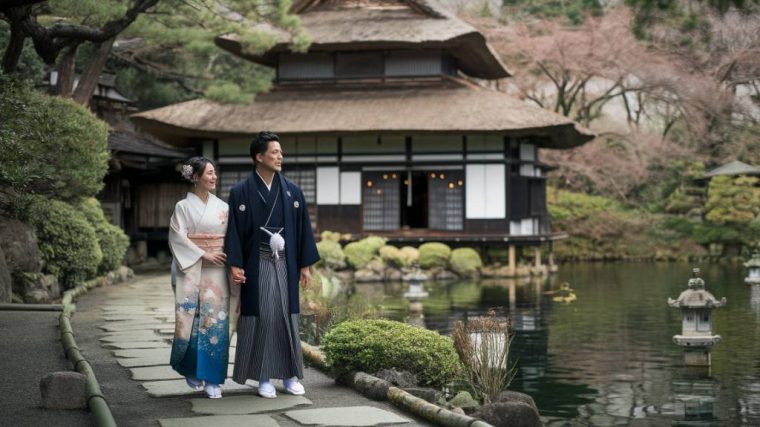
x=272 y=158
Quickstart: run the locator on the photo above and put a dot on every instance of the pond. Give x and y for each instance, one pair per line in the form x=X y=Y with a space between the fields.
x=607 y=358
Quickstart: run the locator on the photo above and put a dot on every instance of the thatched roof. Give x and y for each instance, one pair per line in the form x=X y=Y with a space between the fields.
x=405 y=24
x=401 y=110
x=733 y=169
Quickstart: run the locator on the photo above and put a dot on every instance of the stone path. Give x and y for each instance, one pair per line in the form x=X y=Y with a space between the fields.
x=137 y=325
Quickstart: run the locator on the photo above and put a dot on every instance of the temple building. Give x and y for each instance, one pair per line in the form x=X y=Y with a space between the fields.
x=388 y=126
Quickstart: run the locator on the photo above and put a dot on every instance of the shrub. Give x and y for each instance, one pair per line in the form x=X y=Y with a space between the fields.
x=330 y=235
x=372 y=345
x=51 y=145
x=331 y=254
x=359 y=253
x=434 y=254
x=111 y=239
x=409 y=255
x=465 y=261
x=391 y=255
x=68 y=243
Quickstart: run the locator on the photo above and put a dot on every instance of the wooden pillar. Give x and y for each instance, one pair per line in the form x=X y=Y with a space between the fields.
x=511 y=261
x=537 y=256
x=552 y=267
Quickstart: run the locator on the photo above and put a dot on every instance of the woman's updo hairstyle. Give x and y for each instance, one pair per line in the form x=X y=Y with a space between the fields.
x=194 y=167
x=260 y=144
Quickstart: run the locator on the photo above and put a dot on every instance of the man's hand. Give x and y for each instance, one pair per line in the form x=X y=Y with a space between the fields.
x=237 y=275
x=305 y=277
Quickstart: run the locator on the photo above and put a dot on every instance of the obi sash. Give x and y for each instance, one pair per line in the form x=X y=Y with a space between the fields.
x=209 y=242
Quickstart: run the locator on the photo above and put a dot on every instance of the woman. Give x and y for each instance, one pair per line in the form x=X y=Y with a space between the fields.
x=202 y=299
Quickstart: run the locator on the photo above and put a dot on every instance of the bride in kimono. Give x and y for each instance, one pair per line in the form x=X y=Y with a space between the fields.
x=202 y=300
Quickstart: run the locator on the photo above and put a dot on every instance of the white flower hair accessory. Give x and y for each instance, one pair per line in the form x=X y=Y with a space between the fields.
x=187 y=172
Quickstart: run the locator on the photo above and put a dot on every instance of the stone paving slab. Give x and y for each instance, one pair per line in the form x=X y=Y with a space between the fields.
x=136 y=362
x=247 y=404
x=346 y=416
x=144 y=352
x=180 y=388
x=136 y=345
x=111 y=327
x=164 y=372
x=140 y=336
x=220 y=421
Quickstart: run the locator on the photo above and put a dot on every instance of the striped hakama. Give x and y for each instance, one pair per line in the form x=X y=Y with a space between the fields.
x=268 y=346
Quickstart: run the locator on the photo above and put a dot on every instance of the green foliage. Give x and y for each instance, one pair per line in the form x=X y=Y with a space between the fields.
x=465 y=261
x=331 y=254
x=732 y=201
x=359 y=253
x=30 y=67
x=68 y=243
x=566 y=205
x=51 y=146
x=434 y=254
x=330 y=235
x=391 y=255
x=573 y=11
x=111 y=239
x=372 y=345
x=409 y=255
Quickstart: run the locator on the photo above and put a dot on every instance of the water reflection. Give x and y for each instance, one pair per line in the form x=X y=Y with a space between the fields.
x=608 y=358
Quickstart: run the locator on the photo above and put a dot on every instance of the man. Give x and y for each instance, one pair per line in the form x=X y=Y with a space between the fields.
x=269 y=246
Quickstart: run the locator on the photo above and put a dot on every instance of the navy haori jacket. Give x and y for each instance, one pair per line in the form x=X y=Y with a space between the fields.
x=247 y=213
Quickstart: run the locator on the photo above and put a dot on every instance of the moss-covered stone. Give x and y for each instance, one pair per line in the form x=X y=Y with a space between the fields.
x=359 y=253
x=465 y=262
x=409 y=255
x=434 y=254
x=331 y=254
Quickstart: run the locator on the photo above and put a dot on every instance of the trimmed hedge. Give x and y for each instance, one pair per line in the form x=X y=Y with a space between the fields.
x=434 y=254
x=331 y=254
x=68 y=243
x=372 y=345
x=359 y=253
x=465 y=261
x=51 y=146
x=111 y=239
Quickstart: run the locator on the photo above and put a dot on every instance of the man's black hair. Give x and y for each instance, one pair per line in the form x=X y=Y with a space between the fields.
x=260 y=144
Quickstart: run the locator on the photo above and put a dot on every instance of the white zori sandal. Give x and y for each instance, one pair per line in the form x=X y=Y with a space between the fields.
x=213 y=391
x=194 y=383
x=266 y=390
x=293 y=387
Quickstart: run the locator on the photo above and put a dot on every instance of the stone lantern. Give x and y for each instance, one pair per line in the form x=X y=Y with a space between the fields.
x=696 y=335
x=753 y=278
x=415 y=295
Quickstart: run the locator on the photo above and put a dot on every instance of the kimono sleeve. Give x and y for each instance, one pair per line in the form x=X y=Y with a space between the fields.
x=307 y=249
x=186 y=253
x=232 y=247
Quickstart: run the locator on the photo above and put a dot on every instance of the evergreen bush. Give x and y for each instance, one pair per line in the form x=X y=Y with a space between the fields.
x=331 y=254
x=111 y=239
x=409 y=255
x=51 y=145
x=434 y=254
x=465 y=261
x=359 y=253
x=68 y=243
x=372 y=345
x=391 y=255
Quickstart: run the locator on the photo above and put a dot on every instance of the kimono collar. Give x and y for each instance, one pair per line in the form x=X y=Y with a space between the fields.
x=194 y=197
x=269 y=187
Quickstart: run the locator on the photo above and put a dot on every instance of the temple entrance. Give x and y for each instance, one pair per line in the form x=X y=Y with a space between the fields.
x=414 y=200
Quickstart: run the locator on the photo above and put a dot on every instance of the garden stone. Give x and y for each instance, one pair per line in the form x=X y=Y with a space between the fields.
x=37 y=288
x=393 y=274
x=464 y=400
x=429 y=394
x=6 y=284
x=513 y=413
x=376 y=265
x=397 y=377
x=345 y=275
x=64 y=390
x=367 y=275
x=19 y=244
x=514 y=396
x=445 y=275
x=458 y=410
x=125 y=273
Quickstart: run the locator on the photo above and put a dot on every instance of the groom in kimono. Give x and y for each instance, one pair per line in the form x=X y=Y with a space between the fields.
x=269 y=246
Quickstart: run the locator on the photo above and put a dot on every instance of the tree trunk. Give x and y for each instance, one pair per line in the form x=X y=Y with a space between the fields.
x=15 y=47
x=88 y=81
x=67 y=72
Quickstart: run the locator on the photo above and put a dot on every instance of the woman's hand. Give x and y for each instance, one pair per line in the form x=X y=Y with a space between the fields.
x=215 y=258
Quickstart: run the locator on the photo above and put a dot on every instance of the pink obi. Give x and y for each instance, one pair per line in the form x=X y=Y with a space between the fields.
x=209 y=242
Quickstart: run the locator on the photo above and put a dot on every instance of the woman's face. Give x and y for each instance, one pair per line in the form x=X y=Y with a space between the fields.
x=207 y=178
